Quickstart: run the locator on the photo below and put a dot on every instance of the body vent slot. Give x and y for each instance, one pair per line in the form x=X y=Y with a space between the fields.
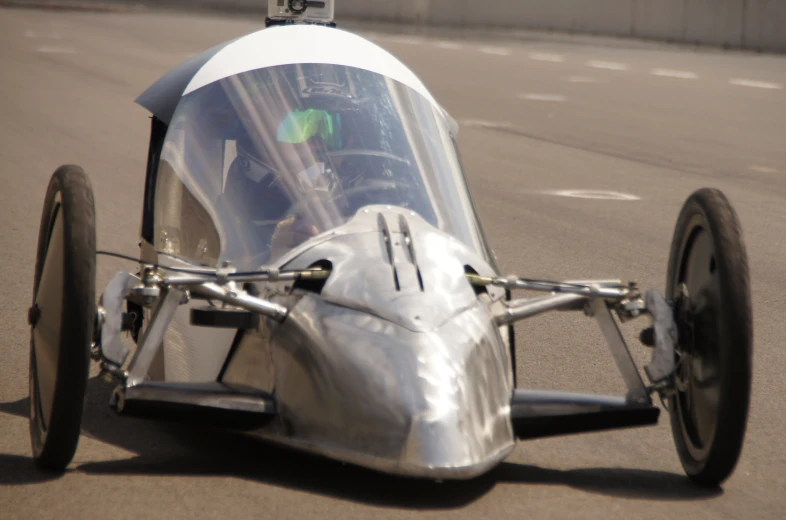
x=385 y=230
x=409 y=242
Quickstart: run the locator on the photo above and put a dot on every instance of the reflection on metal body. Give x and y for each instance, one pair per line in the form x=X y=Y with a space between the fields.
x=412 y=378
x=240 y=299
x=168 y=303
x=637 y=392
x=429 y=292
x=541 y=403
x=209 y=395
x=429 y=403
x=112 y=301
x=520 y=309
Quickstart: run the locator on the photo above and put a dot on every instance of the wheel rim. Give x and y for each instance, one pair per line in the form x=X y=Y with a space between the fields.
x=47 y=330
x=697 y=374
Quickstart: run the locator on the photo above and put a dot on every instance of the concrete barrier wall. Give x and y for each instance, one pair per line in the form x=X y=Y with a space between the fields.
x=765 y=25
x=714 y=22
x=748 y=24
x=659 y=19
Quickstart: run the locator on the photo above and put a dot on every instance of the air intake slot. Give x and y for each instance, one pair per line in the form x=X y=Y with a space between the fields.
x=388 y=239
x=410 y=244
x=399 y=248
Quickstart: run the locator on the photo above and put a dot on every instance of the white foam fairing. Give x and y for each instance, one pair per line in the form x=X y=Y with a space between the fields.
x=285 y=45
x=279 y=45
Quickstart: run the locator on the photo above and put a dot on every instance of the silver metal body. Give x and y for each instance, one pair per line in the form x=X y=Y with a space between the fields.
x=397 y=363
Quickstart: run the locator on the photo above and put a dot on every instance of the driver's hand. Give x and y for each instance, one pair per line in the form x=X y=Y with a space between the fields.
x=290 y=233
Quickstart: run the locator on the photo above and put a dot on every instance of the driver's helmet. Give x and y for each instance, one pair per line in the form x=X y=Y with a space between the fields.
x=299 y=161
x=295 y=171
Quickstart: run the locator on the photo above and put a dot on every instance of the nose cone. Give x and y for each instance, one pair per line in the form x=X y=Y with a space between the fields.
x=397 y=363
x=364 y=390
x=444 y=448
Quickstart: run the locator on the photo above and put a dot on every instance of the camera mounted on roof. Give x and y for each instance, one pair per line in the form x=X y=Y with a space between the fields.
x=284 y=12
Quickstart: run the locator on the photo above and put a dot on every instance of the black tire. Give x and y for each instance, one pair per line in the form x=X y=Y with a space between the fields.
x=62 y=317
x=709 y=410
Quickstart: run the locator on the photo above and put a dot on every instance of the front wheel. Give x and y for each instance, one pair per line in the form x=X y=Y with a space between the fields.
x=62 y=317
x=708 y=282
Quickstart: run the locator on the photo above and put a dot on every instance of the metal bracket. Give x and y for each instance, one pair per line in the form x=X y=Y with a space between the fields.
x=111 y=345
x=637 y=392
x=526 y=308
x=153 y=336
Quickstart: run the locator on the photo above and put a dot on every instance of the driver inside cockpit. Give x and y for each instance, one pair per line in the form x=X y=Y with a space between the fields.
x=289 y=192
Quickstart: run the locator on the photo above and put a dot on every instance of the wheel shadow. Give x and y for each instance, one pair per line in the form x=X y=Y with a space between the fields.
x=170 y=449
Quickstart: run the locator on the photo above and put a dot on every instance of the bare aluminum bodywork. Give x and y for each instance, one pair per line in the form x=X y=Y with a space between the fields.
x=397 y=361
x=396 y=364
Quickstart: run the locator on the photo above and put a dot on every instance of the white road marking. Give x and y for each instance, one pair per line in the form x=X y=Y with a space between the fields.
x=582 y=79
x=609 y=65
x=407 y=40
x=453 y=46
x=669 y=73
x=545 y=56
x=762 y=169
x=56 y=50
x=496 y=51
x=51 y=36
x=594 y=194
x=541 y=97
x=755 y=84
x=481 y=123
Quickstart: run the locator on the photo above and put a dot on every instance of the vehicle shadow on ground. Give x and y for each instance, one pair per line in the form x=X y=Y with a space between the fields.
x=175 y=449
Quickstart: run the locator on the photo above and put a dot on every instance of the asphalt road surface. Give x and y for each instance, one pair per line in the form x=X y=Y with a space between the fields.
x=650 y=123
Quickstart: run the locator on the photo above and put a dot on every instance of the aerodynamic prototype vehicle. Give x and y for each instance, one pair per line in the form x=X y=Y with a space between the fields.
x=312 y=271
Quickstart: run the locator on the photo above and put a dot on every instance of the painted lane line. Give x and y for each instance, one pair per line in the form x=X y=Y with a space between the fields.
x=669 y=73
x=594 y=195
x=755 y=84
x=545 y=56
x=496 y=51
x=608 y=65
x=762 y=169
x=582 y=79
x=542 y=97
x=452 y=46
x=407 y=40
x=56 y=50
x=481 y=123
x=51 y=36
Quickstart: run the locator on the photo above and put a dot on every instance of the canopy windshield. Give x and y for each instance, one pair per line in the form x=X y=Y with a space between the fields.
x=255 y=164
